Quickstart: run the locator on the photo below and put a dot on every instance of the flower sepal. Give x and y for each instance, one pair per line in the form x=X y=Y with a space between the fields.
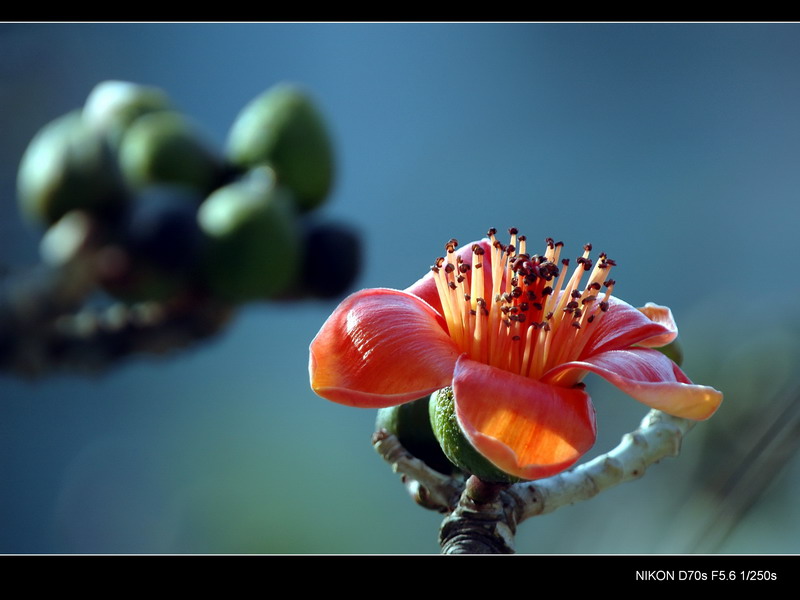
x=411 y=425
x=455 y=445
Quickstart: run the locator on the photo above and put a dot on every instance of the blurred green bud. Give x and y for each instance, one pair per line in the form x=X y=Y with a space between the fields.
x=255 y=243
x=112 y=106
x=68 y=166
x=66 y=239
x=341 y=247
x=412 y=426
x=160 y=246
x=456 y=446
x=165 y=147
x=283 y=128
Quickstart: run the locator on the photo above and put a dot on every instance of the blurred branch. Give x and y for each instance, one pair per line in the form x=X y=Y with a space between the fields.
x=485 y=517
x=43 y=327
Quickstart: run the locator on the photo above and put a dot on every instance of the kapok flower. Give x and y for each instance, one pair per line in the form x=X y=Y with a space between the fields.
x=514 y=335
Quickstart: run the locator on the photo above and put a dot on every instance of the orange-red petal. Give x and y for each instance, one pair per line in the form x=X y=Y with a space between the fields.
x=663 y=316
x=380 y=348
x=524 y=427
x=623 y=326
x=646 y=375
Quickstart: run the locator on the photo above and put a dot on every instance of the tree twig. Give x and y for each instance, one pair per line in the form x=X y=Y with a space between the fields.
x=486 y=523
x=45 y=326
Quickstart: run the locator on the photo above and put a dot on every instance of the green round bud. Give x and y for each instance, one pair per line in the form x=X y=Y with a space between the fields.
x=165 y=147
x=412 y=426
x=112 y=106
x=455 y=444
x=68 y=166
x=282 y=128
x=254 y=246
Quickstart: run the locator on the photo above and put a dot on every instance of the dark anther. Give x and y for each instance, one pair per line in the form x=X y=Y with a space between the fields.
x=476 y=248
x=452 y=285
x=467 y=297
x=513 y=231
x=575 y=294
x=440 y=261
x=590 y=319
x=587 y=247
x=609 y=282
x=588 y=299
x=449 y=268
x=510 y=249
x=604 y=306
x=576 y=325
x=565 y=262
x=492 y=231
x=460 y=279
x=559 y=244
x=537 y=306
x=463 y=267
x=571 y=304
x=595 y=285
x=515 y=338
x=522 y=238
x=524 y=306
x=435 y=269
x=549 y=316
x=577 y=313
x=521 y=317
x=550 y=242
x=613 y=263
x=478 y=265
x=481 y=302
x=547 y=291
x=472 y=312
x=516 y=292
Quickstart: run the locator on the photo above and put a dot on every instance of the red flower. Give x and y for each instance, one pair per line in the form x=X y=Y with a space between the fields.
x=514 y=336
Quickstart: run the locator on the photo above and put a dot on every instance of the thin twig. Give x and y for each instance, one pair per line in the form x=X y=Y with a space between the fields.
x=489 y=525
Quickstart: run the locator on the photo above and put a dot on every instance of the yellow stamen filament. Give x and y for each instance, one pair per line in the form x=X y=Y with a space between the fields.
x=529 y=324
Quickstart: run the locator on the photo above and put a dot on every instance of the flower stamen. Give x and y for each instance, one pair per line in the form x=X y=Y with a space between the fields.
x=538 y=315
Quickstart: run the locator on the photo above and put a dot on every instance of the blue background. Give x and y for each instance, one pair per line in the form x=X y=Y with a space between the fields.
x=672 y=147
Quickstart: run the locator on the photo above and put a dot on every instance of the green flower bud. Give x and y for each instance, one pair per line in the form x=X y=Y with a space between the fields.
x=283 y=128
x=412 y=426
x=159 y=244
x=68 y=166
x=164 y=147
x=456 y=446
x=255 y=249
x=112 y=106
